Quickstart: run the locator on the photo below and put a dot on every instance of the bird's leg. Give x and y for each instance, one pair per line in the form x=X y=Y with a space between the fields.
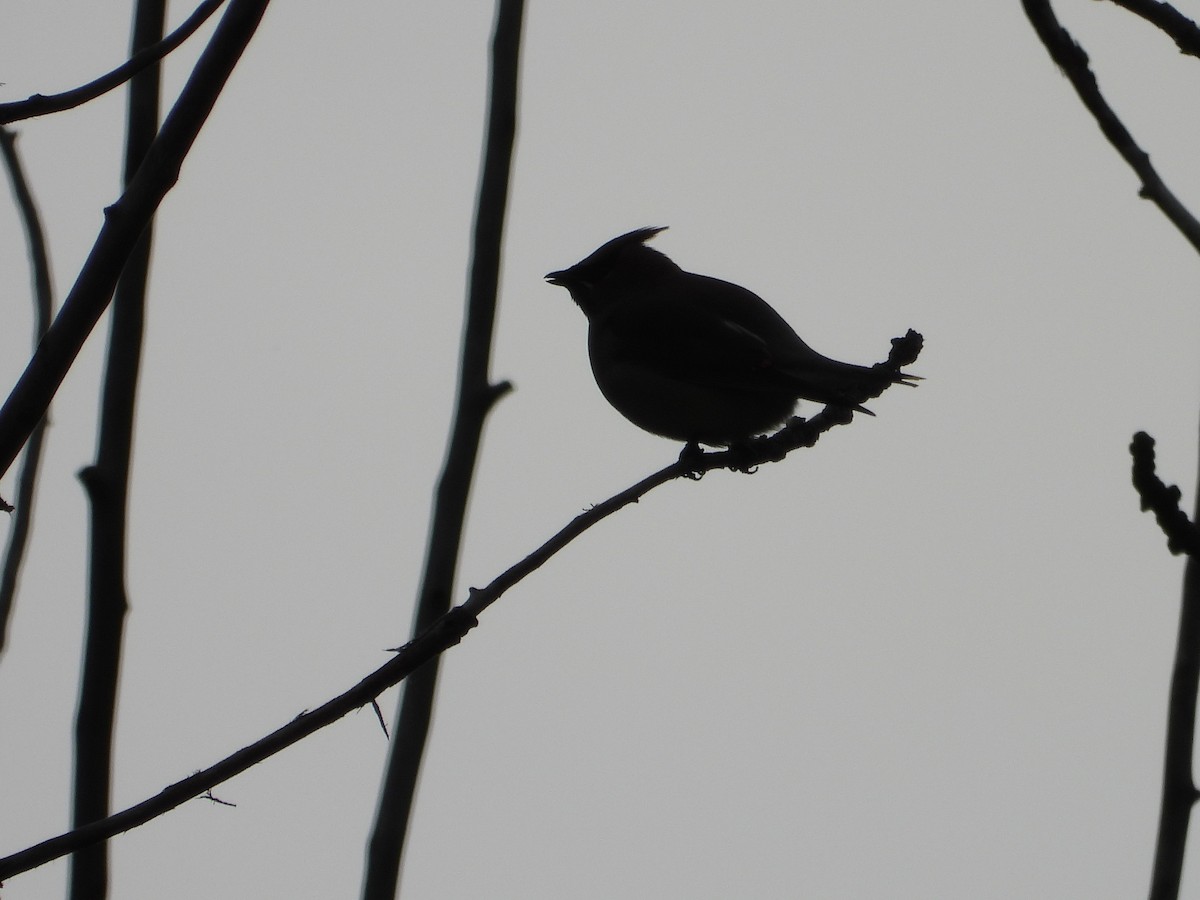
x=690 y=456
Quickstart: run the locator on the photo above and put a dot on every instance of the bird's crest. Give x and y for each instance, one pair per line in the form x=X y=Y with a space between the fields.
x=582 y=277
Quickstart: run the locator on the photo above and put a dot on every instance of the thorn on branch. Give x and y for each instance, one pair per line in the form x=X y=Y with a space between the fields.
x=379 y=716
x=208 y=795
x=1161 y=498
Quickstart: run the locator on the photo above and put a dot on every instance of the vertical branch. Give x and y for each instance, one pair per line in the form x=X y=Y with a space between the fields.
x=1178 y=789
x=39 y=260
x=107 y=485
x=476 y=394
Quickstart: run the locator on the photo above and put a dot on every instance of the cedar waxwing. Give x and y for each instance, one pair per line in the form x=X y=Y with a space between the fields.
x=697 y=359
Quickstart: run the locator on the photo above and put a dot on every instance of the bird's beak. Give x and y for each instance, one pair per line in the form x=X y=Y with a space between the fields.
x=556 y=278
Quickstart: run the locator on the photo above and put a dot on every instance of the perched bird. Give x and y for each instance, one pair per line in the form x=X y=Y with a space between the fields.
x=697 y=359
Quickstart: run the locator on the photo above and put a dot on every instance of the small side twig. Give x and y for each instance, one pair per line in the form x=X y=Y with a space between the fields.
x=379 y=716
x=1162 y=499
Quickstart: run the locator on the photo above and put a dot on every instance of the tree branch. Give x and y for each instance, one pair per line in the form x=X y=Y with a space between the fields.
x=39 y=105
x=107 y=486
x=1182 y=536
x=1178 y=789
x=444 y=632
x=124 y=222
x=1073 y=61
x=39 y=260
x=476 y=396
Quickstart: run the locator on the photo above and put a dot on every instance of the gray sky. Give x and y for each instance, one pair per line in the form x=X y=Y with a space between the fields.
x=927 y=658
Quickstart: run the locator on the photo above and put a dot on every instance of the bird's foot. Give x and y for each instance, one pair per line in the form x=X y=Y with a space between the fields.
x=745 y=456
x=690 y=456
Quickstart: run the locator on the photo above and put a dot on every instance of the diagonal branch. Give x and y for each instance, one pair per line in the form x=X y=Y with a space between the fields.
x=444 y=632
x=1073 y=60
x=123 y=225
x=39 y=105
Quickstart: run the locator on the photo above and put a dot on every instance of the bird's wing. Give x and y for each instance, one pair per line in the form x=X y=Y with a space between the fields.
x=712 y=333
x=692 y=342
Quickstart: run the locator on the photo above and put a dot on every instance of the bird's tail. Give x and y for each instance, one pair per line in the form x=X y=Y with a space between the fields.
x=845 y=384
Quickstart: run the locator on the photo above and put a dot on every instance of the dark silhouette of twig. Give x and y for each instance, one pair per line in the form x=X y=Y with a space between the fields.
x=208 y=795
x=1179 y=792
x=476 y=396
x=1178 y=788
x=1073 y=61
x=123 y=225
x=107 y=486
x=39 y=105
x=22 y=520
x=1161 y=499
x=444 y=632
x=1182 y=30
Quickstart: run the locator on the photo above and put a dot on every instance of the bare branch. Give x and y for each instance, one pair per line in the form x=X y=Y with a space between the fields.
x=1073 y=61
x=27 y=480
x=1156 y=496
x=476 y=397
x=443 y=633
x=123 y=225
x=39 y=105
x=107 y=485
x=39 y=259
x=1178 y=787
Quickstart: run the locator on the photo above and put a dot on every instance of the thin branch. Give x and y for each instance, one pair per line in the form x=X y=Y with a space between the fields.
x=1179 y=791
x=1168 y=19
x=124 y=222
x=1073 y=61
x=476 y=396
x=39 y=105
x=444 y=632
x=39 y=259
x=1178 y=788
x=107 y=485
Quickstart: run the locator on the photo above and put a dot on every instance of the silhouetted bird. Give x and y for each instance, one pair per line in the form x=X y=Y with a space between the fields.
x=697 y=359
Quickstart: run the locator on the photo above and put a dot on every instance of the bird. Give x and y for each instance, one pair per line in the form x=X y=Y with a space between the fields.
x=697 y=359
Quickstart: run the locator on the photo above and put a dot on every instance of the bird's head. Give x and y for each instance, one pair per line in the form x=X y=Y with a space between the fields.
x=623 y=264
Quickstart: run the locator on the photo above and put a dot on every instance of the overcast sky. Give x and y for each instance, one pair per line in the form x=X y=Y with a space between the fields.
x=927 y=658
